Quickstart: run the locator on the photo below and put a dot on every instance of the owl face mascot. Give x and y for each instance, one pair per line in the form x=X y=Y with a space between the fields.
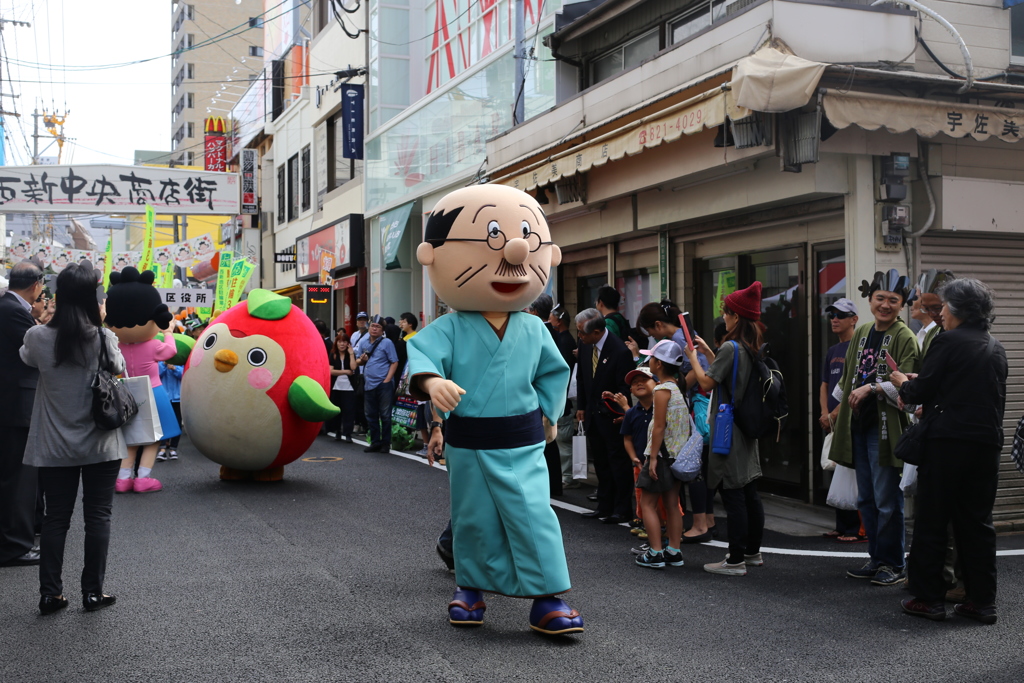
x=254 y=393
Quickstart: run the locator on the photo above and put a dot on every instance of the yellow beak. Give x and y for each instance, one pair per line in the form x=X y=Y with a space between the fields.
x=225 y=360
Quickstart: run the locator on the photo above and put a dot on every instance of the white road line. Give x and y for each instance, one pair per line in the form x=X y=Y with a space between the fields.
x=715 y=544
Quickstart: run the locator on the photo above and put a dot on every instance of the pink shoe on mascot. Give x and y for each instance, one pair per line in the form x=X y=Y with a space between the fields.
x=496 y=373
x=136 y=314
x=254 y=393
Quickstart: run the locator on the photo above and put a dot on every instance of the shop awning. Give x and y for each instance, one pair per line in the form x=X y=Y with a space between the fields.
x=392 y=227
x=707 y=110
x=773 y=81
x=927 y=117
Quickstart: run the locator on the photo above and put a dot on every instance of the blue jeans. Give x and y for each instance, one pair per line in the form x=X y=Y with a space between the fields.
x=377 y=402
x=880 y=502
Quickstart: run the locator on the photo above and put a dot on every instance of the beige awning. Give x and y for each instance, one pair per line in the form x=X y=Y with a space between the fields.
x=773 y=81
x=707 y=110
x=927 y=117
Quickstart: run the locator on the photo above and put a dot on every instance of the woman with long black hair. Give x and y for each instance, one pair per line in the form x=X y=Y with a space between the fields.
x=736 y=474
x=64 y=441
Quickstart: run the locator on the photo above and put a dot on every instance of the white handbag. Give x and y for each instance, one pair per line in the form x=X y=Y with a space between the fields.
x=842 y=494
x=143 y=429
x=579 y=454
x=826 y=464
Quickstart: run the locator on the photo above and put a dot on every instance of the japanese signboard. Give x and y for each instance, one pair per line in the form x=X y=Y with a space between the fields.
x=326 y=266
x=927 y=117
x=95 y=188
x=248 y=163
x=182 y=296
x=352 y=119
x=342 y=239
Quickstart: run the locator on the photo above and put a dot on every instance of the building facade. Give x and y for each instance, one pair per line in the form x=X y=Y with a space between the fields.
x=217 y=48
x=696 y=147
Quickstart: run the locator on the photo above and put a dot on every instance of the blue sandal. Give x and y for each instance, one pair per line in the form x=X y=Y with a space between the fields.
x=466 y=608
x=553 y=617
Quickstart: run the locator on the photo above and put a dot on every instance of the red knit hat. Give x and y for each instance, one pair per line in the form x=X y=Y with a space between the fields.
x=746 y=303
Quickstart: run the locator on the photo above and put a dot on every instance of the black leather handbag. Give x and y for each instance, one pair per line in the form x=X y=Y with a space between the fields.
x=112 y=403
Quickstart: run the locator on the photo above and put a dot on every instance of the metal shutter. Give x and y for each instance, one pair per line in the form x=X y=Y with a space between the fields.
x=998 y=261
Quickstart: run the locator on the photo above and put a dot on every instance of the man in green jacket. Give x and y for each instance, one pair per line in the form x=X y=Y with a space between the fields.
x=869 y=425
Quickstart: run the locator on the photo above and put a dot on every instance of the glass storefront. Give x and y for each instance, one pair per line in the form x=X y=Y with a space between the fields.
x=785 y=463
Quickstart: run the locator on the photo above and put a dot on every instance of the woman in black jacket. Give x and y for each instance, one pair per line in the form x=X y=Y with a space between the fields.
x=964 y=379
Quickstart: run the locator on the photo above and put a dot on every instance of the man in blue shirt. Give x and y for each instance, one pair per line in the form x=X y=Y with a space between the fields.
x=377 y=356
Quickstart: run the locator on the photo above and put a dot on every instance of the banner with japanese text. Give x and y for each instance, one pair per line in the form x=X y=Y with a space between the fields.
x=94 y=188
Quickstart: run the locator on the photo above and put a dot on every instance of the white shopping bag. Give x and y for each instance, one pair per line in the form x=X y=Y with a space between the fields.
x=842 y=494
x=826 y=464
x=144 y=428
x=579 y=454
x=908 y=483
x=572 y=383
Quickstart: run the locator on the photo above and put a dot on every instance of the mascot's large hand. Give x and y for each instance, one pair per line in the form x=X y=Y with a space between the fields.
x=445 y=393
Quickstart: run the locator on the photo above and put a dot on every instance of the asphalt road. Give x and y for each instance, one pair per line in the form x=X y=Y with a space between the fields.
x=331 y=576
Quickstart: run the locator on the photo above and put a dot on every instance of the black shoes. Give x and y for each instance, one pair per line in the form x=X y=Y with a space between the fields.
x=614 y=519
x=48 y=604
x=446 y=556
x=592 y=496
x=94 y=601
x=594 y=514
x=29 y=558
x=372 y=448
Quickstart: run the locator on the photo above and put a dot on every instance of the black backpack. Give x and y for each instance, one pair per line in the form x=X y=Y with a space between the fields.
x=620 y=321
x=763 y=410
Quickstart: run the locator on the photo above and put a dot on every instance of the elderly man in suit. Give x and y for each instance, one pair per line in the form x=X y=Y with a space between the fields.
x=604 y=362
x=17 y=393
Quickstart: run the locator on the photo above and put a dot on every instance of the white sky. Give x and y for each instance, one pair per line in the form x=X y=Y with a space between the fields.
x=113 y=112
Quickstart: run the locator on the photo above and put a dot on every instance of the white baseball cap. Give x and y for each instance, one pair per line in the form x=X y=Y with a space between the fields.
x=667 y=351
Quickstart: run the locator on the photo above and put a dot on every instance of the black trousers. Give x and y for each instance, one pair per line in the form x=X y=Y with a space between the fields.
x=553 y=458
x=342 y=425
x=956 y=484
x=17 y=495
x=745 y=518
x=612 y=466
x=176 y=407
x=60 y=490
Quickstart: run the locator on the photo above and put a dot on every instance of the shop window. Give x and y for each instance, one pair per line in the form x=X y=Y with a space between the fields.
x=293 y=188
x=635 y=288
x=1017 y=34
x=626 y=56
x=281 y=183
x=306 y=184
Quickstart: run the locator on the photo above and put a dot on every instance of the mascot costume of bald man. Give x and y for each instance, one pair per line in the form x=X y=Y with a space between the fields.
x=496 y=371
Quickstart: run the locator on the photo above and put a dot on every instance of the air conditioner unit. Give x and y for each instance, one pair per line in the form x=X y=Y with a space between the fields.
x=753 y=131
x=799 y=136
x=572 y=189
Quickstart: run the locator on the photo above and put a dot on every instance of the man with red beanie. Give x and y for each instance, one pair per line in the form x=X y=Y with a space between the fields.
x=735 y=473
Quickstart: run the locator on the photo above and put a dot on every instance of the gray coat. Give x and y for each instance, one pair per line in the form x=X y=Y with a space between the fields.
x=742 y=465
x=63 y=433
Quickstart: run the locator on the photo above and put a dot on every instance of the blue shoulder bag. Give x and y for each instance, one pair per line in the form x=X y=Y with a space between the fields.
x=721 y=442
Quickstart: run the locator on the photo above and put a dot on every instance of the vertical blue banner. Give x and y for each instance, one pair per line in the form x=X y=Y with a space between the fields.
x=352 y=117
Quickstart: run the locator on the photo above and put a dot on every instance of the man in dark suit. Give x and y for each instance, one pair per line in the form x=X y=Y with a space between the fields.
x=17 y=394
x=604 y=362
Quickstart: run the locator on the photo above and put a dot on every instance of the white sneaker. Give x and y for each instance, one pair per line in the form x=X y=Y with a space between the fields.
x=723 y=567
x=422 y=452
x=754 y=560
x=333 y=435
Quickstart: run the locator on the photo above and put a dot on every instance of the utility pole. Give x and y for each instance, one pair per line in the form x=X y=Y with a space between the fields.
x=519 y=113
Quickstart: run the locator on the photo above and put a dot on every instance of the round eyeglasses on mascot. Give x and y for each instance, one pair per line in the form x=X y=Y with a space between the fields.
x=496 y=372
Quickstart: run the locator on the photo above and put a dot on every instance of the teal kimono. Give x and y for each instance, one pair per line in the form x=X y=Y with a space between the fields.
x=506 y=536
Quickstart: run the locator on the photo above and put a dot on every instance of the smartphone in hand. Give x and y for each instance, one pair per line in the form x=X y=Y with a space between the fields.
x=689 y=332
x=891 y=363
